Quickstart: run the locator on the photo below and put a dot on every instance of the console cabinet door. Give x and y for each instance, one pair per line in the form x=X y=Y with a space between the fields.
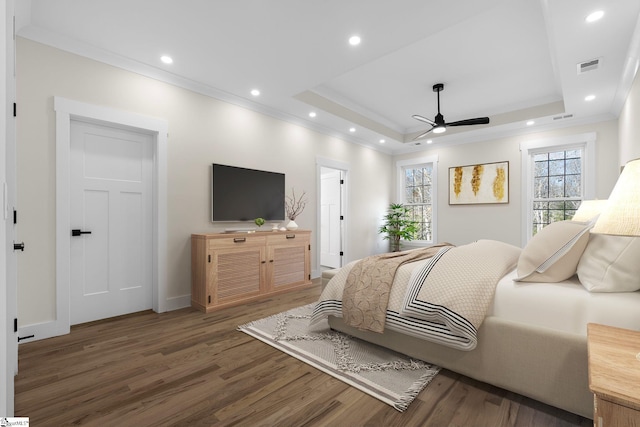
x=288 y=260
x=236 y=271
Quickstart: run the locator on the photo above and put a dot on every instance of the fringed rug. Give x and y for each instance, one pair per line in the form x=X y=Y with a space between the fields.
x=384 y=374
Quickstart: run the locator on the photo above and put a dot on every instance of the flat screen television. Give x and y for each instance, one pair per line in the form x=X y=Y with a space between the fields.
x=240 y=194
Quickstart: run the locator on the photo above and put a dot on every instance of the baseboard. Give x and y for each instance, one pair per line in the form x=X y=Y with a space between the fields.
x=41 y=331
x=176 y=303
x=54 y=328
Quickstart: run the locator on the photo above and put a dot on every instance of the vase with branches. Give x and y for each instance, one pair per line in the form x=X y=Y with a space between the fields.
x=398 y=226
x=294 y=205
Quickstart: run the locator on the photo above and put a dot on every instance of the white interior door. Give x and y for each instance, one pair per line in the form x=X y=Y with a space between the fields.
x=330 y=223
x=111 y=207
x=8 y=260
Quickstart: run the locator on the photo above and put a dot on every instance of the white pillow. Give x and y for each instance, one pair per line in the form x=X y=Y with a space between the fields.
x=552 y=255
x=610 y=264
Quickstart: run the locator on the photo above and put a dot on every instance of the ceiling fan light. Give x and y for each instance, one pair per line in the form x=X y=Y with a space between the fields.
x=439 y=129
x=594 y=16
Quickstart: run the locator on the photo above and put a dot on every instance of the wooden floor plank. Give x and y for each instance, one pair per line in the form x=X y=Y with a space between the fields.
x=187 y=368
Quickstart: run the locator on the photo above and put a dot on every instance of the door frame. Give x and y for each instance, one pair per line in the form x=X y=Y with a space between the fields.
x=67 y=110
x=344 y=195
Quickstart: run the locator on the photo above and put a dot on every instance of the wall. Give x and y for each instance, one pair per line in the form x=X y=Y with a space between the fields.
x=202 y=130
x=629 y=125
x=465 y=223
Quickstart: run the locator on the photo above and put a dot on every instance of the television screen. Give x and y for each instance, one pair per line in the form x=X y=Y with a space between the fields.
x=240 y=194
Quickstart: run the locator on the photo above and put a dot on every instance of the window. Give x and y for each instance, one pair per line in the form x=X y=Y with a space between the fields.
x=556 y=175
x=557 y=186
x=417 y=191
x=417 y=197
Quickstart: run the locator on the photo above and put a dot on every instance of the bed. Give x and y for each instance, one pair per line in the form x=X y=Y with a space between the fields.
x=532 y=340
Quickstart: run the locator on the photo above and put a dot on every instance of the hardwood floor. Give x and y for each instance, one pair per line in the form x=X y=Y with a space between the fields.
x=189 y=368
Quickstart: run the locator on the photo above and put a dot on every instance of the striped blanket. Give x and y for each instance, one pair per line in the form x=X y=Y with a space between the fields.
x=366 y=293
x=443 y=299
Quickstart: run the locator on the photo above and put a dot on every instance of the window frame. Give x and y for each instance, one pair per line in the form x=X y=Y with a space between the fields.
x=401 y=166
x=585 y=142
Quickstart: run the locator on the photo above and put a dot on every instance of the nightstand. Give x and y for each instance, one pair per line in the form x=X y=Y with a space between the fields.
x=614 y=375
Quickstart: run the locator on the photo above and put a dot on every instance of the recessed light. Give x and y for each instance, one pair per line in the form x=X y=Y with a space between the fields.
x=166 y=59
x=255 y=92
x=429 y=141
x=354 y=40
x=594 y=16
x=382 y=141
x=531 y=123
x=589 y=97
x=312 y=114
x=352 y=130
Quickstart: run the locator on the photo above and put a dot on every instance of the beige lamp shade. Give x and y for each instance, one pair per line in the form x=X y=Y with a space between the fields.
x=621 y=215
x=588 y=210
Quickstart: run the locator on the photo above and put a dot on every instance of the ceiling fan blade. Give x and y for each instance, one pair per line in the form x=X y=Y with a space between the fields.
x=467 y=122
x=424 y=119
x=423 y=134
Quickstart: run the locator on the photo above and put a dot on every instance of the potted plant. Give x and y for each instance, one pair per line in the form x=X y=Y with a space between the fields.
x=259 y=222
x=397 y=225
x=293 y=207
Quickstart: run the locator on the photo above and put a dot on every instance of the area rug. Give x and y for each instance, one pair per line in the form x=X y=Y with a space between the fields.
x=391 y=377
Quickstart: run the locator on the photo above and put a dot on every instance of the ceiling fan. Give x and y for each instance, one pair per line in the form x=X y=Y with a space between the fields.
x=438 y=125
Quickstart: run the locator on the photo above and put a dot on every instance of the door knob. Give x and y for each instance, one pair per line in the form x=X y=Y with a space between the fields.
x=18 y=246
x=77 y=232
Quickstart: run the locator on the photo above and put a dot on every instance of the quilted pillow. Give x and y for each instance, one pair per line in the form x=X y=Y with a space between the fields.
x=552 y=255
x=610 y=264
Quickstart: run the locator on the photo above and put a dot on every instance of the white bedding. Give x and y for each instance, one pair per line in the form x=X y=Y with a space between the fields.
x=566 y=306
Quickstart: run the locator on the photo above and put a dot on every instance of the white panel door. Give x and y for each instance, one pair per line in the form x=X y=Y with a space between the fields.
x=330 y=223
x=111 y=206
x=8 y=231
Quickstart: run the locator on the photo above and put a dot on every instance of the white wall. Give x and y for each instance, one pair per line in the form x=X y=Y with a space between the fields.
x=462 y=224
x=629 y=125
x=202 y=130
